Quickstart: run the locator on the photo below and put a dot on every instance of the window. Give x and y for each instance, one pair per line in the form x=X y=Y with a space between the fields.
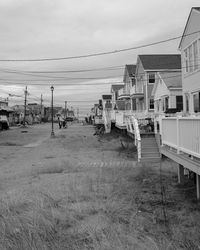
x=151 y=104
x=179 y=102
x=192 y=57
x=196 y=101
x=152 y=78
x=187 y=102
x=166 y=103
x=186 y=60
x=195 y=51
x=133 y=81
x=134 y=104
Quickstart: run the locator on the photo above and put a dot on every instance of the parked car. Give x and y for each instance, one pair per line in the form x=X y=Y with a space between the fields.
x=4 y=124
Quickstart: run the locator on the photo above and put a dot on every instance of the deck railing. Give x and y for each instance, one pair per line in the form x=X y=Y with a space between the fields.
x=133 y=128
x=120 y=118
x=182 y=133
x=107 y=120
x=113 y=115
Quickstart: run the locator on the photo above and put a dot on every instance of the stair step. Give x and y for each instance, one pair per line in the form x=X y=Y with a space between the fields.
x=148 y=142
x=150 y=159
x=150 y=154
x=150 y=150
x=149 y=145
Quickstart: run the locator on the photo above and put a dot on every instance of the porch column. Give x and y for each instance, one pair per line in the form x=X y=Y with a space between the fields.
x=180 y=174
x=198 y=186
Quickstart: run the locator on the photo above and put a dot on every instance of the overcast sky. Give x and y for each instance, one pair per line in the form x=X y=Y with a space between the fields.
x=37 y=29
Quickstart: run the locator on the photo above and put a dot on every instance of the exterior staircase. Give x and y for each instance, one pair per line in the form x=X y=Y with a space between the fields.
x=149 y=149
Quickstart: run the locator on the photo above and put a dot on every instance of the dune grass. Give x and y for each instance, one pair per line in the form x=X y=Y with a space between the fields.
x=101 y=208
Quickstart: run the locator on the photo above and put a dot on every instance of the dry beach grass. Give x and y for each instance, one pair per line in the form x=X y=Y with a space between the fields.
x=98 y=200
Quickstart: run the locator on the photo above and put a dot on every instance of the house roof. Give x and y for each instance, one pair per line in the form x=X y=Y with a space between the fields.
x=106 y=97
x=116 y=87
x=172 y=79
x=193 y=8
x=120 y=104
x=197 y=8
x=161 y=61
x=131 y=68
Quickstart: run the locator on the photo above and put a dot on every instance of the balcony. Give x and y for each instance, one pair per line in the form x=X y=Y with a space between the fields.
x=137 y=91
x=123 y=94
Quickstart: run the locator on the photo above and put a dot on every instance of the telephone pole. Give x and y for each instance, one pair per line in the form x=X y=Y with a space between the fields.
x=25 y=100
x=65 y=109
x=41 y=100
x=78 y=114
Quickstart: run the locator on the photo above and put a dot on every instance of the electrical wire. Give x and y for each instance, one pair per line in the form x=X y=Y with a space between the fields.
x=56 y=78
x=100 y=53
x=65 y=71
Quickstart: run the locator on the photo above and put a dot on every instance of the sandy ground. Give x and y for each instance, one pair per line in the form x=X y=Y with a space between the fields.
x=90 y=193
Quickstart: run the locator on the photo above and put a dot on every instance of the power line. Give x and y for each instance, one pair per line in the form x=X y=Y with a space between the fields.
x=64 y=71
x=58 y=84
x=58 y=78
x=100 y=53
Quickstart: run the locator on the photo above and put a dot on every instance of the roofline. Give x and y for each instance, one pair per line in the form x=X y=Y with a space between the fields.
x=159 y=70
x=178 y=88
x=193 y=8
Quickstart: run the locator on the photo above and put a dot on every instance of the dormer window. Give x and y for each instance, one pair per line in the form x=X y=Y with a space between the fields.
x=152 y=78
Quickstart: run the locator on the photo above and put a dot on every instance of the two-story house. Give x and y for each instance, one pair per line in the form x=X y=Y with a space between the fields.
x=114 y=92
x=190 y=53
x=181 y=135
x=129 y=82
x=147 y=69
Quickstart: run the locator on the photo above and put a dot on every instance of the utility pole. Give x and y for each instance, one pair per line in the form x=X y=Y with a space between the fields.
x=65 y=109
x=41 y=100
x=78 y=114
x=25 y=100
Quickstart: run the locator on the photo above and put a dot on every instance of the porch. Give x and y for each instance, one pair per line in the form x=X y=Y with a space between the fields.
x=181 y=143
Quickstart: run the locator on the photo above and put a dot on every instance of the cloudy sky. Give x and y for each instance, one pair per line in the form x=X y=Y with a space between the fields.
x=57 y=29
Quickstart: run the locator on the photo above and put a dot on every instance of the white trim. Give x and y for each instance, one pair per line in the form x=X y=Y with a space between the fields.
x=176 y=88
x=160 y=70
x=169 y=144
x=194 y=91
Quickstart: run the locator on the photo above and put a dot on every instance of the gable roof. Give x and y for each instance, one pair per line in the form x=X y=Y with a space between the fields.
x=106 y=97
x=161 y=61
x=116 y=87
x=172 y=79
x=193 y=8
x=131 y=68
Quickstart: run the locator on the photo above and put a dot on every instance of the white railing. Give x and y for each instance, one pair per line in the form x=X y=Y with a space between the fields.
x=123 y=92
x=133 y=127
x=133 y=90
x=182 y=133
x=98 y=120
x=107 y=120
x=120 y=118
x=140 y=114
x=113 y=115
x=139 y=88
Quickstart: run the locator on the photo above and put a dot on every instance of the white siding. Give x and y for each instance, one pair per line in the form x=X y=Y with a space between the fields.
x=191 y=81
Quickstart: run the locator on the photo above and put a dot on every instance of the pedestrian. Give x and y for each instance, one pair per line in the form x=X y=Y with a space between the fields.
x=65 y=123
x=59 y=123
